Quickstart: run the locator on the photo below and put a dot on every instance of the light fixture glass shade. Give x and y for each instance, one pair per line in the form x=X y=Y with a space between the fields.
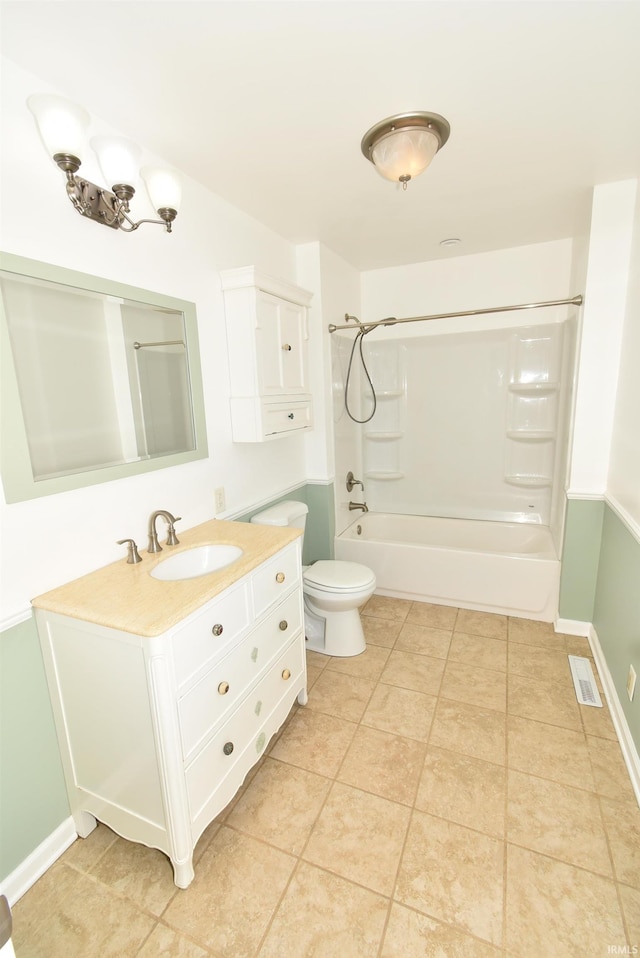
x=119 y=159
x=62 y=124
x=405 y=153
x=164 y=188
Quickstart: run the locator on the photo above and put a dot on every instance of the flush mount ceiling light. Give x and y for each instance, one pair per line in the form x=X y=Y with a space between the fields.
x=403 y=146
x=63 y=126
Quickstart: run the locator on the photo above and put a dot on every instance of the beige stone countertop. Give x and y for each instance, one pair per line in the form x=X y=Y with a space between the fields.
x=124 y=596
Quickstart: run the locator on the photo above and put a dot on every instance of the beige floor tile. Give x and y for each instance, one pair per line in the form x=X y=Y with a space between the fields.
x=343 y=696
x=436 y=616
x=464 y=790
x=482 y=623
x=482 y=687
x=230 y=902
x=88 y=921
x=411 y=934
x=622 y=822
x=549 y=751
x=313 y=674
x=41 y=903
x=315 y=742
x=382 y=632
x=424 y=640
x=325 y=916
x=542 y=634
x=386 y=607
x=86 y=852
x=280 y=805
x=597 y=721
x=360 y=837
x=557 y=820
x=473 y=731
x=557 y=909
x=400 y=711
x=480 y=650
x=630 y=898
x=453 y=874
x=609 y=770
x=163 y=942
x=142 y=874
x=387 y=765
x=534 y=698
x=368 y=665
x=546 y=665
x=317 y=659
x=578 y=645
x=411 y=671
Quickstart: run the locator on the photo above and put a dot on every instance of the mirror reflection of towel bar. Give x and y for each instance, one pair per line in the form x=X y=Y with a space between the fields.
x=169 y=342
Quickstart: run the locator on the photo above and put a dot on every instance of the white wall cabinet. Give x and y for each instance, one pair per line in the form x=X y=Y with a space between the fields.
x=267 y=342
x=157 y=734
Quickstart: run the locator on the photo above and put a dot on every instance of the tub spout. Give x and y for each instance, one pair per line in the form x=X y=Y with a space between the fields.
x=358 y=505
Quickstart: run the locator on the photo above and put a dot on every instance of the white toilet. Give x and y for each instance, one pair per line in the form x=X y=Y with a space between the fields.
x=333 y=590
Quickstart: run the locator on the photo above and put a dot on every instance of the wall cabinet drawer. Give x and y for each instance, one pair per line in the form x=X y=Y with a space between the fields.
x=283 y=417
x=244 y=730
x=210 y=632
x=275 y=578
x=217 y=693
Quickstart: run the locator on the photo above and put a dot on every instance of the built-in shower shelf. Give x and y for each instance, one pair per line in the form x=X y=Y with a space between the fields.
x=384 y=476
x=389 y=393
x=538 y=482
x=531 y=435
x=539 y=387
x=383 y=436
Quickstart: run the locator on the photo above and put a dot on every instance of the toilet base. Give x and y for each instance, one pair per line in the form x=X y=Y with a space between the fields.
x=334 y=633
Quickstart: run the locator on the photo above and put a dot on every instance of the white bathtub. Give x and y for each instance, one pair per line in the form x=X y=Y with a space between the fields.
x=506 y=567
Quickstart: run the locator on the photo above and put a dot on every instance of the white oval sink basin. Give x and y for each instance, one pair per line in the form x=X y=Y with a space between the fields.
x=201 y=560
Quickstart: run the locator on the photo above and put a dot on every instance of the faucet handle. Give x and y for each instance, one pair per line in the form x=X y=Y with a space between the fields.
x=132 y=555
x=172 y=539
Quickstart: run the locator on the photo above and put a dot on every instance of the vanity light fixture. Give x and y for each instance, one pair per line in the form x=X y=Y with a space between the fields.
x=63 y=125
x=403 y=146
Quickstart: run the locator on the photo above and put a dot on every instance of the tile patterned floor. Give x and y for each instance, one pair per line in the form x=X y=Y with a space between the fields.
x=442 y=794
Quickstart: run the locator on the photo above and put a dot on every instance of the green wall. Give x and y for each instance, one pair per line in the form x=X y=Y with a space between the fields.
x=616 y=617
x=580 y=557
x=33 y=798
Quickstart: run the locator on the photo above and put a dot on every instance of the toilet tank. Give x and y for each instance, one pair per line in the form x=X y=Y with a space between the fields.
x=290 y=513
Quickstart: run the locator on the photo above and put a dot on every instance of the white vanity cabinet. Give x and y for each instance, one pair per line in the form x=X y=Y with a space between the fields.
x=157 y=733
x=267 y=342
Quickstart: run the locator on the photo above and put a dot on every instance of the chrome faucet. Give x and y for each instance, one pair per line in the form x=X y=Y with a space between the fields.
x=358 y=505
x=172 y=539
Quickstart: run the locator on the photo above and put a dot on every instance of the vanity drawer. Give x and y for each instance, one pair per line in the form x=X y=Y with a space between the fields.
x=209 y=632
x=245 y=731
x=275 y=578
x=223 y=686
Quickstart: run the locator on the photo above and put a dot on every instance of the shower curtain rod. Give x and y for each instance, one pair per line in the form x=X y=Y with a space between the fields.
x=391 y=321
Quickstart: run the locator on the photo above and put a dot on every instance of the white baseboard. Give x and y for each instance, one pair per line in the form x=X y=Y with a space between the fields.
x=572 y=627
x=629 y=751
x=35 y=865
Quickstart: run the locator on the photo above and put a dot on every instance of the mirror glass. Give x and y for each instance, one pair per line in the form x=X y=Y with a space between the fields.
x=99 y=380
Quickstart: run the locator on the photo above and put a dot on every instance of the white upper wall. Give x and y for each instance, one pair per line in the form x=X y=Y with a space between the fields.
x=624 y=473
x=67 y=535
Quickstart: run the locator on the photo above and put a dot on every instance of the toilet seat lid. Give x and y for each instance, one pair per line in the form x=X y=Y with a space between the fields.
x=334 y=575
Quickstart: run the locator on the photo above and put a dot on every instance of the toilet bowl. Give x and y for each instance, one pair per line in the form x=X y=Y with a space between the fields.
x=333 y=591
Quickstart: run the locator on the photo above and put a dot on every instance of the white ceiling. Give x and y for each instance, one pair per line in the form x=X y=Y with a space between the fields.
x=266 y=103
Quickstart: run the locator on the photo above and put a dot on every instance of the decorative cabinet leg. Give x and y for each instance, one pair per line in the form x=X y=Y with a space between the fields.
x=183 y=872
x=84 y=822
x=303 y=697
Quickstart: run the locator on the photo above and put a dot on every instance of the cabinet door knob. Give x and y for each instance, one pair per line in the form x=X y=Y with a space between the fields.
x=286 y=674
x=227 y=748
x=283 y=626
x=280 y=577
x=217 y=629
x=291 y=416
x=223 y=688
x=287 y=347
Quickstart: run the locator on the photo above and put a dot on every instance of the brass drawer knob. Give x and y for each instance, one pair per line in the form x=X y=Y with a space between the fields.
x=280 y=577
x=286 y=674
x=287 y=347
x=217 y=629
x=223 y=688
x=227 y=748
x=283 y=626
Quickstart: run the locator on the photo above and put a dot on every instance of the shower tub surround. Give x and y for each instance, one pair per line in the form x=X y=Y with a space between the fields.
x=505 y=567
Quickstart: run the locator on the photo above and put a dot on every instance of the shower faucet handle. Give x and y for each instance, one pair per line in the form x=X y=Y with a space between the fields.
x=351 y=482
